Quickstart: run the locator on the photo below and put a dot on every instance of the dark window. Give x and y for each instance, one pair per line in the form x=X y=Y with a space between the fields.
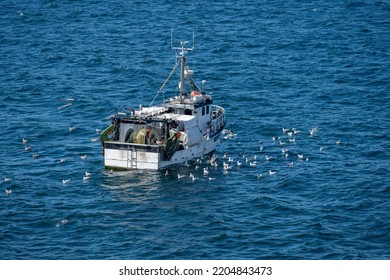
x=202 y=111
x=207 y=109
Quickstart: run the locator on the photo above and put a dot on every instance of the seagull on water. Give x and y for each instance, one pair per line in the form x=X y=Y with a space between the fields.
x=7 y=179
x=271 y=172
x=27 y=148
x=65 y=182
x=35 y=156
x=239 y=163
x=8 y=192
x=86 y=178
x=226 y=166
x=338 y=142
x=71 y=128
x=193 y=178
x=62 y=160
x=259 y=176
x=211 y=179
x=261 y=149
x=268 y=158
x=83 y=157
x=205 y=171
x=179 y=176
x=25 y=140
x=296 y=131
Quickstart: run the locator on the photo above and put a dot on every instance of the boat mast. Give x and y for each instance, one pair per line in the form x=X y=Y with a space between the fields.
x=183 y=50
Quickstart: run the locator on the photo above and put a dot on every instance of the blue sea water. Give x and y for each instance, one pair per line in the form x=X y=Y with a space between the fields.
x=271 y=64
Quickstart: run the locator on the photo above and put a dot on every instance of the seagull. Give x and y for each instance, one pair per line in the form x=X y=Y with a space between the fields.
x=282 y=143
x=285 y=130
x=253 y=164
x=226 y=166
x=24 y=140
x=284 y=150
x=27 y=148
x=62 y=222
x=261 y=149
x=268 y=158
x=205 y=171
x=225 y=172
x=290 y=164
x=259 y=176
x=338 y=142
x=86 y=178
x=271 y=172
x=296 y=131
x=179 y=176
x=8 y=192
x=211 y=179
x=239 y=163
x=292 y=140
x=35 y=156
x=98 y=130
x=275 y=138
x=7 y=179
x=192 y=177
x=166 y=172
x=71 y=128
x=321 y=149
x=88 y=174
x=300 y=156
x=230 y=159
x=313 y=131
x=94 y=139
x=62 y=160
x=65 y=182
x=83 y=157
x=290 y=134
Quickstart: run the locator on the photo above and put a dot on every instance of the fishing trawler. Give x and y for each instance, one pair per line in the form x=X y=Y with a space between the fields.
x=183 y=128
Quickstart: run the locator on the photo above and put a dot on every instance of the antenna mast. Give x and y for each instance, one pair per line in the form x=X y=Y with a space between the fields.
x=183 y=51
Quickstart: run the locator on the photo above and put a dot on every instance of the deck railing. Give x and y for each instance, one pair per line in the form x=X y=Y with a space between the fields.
x=217 y=118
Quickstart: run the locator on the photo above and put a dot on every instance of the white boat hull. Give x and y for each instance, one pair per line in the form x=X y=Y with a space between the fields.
x=124 y=156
